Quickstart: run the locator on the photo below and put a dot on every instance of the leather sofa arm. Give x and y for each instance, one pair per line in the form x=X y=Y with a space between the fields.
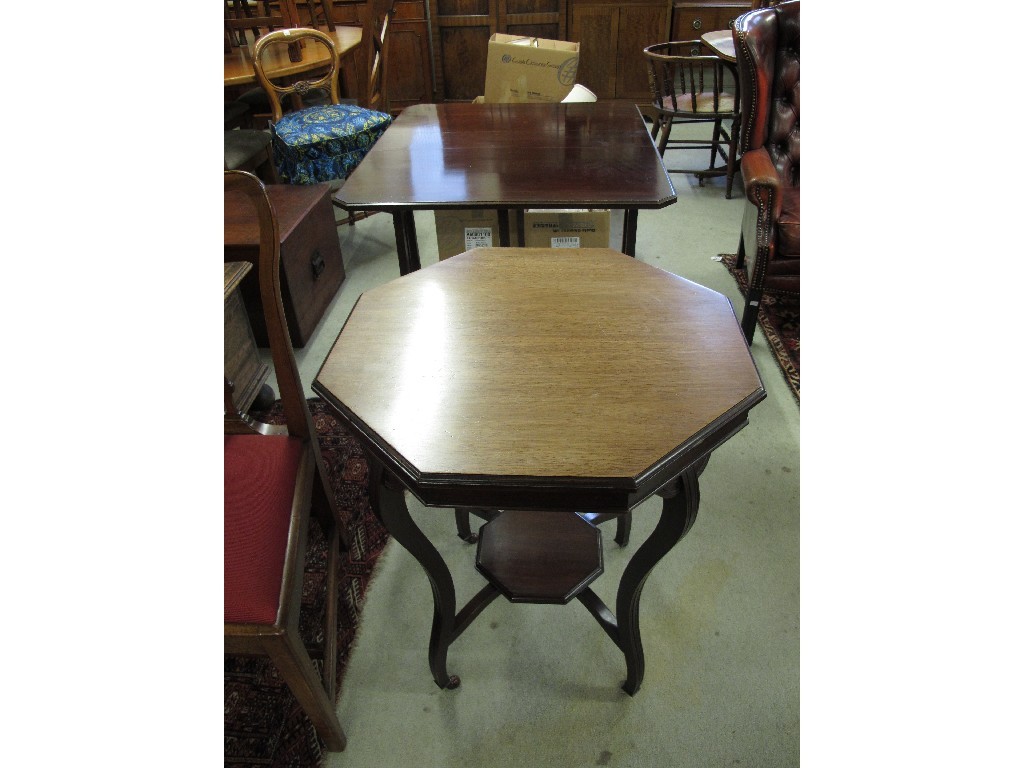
x=761 y=180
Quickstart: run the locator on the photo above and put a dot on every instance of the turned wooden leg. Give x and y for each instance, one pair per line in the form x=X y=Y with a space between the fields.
x=678 y=512
x=387 y=499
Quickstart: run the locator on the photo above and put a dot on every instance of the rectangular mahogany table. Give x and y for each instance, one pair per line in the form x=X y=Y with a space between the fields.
x=509 y=157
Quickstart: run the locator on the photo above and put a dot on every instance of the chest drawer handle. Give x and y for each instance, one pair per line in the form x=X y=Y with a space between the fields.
x=317 y=262
x=697 y=24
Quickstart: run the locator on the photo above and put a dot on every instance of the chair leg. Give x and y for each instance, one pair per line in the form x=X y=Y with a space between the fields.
x=666 y=129
x=741 y=254
x=716 y=134
x=296 y=668
x=730 y=168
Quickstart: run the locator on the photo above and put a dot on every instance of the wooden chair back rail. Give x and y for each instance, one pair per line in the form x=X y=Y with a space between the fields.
x=376 y=39
x=314 y=13
x=301 y=85
x=239 y=19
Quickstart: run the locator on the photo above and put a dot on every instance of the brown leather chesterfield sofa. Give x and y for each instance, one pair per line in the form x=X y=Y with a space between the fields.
x=768 y=61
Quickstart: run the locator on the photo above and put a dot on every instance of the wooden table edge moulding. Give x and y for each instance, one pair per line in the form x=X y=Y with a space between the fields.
x=453 y=378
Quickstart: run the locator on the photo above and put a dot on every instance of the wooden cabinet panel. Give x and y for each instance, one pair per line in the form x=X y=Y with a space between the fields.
x=409 y=70
x=638 y=27
x=596 y=27
x=612 y=36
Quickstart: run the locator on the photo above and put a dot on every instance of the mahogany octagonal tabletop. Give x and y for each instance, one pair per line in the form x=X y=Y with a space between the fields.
x=548 y=377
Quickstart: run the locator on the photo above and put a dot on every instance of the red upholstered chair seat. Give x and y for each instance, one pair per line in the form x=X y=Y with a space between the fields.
x=259 y=486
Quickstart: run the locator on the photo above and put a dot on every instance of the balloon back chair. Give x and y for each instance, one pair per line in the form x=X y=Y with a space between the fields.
x=273 y=478
x=325 y=142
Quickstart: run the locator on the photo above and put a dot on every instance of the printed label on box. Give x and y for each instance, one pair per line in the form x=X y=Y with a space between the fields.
x=478 y=237
x=567 y=229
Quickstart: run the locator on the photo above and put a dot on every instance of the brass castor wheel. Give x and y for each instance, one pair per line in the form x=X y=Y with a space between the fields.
x=453 y=682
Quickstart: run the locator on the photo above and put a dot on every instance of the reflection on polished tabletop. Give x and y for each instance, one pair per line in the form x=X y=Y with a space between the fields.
x=506 y=379
x=523 y=362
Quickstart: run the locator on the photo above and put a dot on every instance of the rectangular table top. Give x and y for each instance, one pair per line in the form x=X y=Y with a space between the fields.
x=583 y=155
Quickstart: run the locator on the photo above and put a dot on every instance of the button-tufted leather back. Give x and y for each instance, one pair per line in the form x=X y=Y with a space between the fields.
x=768 y=61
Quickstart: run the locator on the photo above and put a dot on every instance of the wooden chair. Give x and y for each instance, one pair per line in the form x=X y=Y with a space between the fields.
x=768 y=60
x=688 y=86
x=246 y=149
x=251 y=18
x=376 y=44
x=273 y=478
x=325 y=143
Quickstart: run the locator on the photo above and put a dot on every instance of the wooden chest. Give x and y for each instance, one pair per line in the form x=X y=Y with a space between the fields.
x=311 y=265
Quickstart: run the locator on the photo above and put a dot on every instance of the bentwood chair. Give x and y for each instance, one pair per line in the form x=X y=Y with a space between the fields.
x=689 y=85
x=325 y=143
x=273 y=479
x=768 y=60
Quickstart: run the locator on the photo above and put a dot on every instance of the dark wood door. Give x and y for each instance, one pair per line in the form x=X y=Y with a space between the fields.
x=409 y=66
x=612 y=35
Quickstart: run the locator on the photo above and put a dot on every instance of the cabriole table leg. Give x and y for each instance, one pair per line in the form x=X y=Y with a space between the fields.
x=387 y=498
x=678 y=513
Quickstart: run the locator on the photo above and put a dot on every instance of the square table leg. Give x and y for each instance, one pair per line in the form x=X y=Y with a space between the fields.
x=629 y=231
x=405 y=241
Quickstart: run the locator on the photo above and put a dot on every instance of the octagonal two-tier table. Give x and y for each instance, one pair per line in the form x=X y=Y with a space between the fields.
x=540 y=383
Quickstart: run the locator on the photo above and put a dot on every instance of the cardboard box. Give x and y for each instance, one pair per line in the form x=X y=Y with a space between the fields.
x=567 y=229
x=460 y=230
x=529 y=69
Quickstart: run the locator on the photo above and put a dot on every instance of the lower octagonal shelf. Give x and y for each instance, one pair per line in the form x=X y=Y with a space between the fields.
x=539 y=557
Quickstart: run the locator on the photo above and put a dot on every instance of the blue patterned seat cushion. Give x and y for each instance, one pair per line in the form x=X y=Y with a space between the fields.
x=326 y=142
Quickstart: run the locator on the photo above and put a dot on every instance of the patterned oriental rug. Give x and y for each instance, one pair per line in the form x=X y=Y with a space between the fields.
x=263 y=723
x=780 y=321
